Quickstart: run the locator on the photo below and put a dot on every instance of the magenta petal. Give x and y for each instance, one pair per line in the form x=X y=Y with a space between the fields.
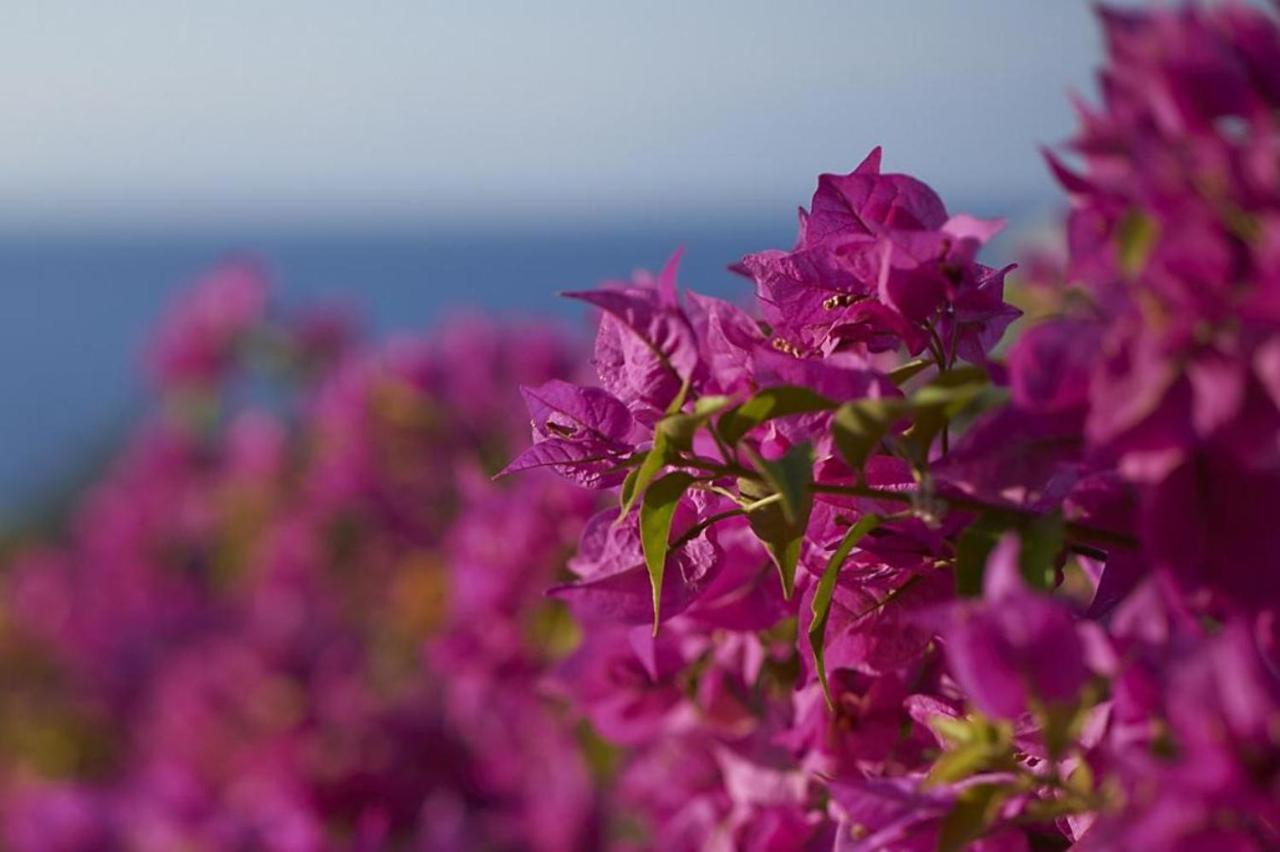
x=589 y=463
x=623 y=598
x=1050 y=363
x=645 y=348
x=573 y=409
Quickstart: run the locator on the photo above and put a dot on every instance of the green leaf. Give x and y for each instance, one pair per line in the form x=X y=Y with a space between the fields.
x=656 y=459
x=903 y=373
x=768 y=404
x=679 y=428
x=705 y=406
x=1081 y=779
x=678 y=402
x=959 y=763
x=1043 y=538
x=958 y=383
x=1059 y=722
x=656 y=513
x=826 y=589
x=954 y=731
x=975 y=545
x=963 y=390
x=1048 y=810
x=781 y=525
x=859 y=426
x=969 y=818
x=628 y=490
x=984 y=746
x=1136 y=235
x=791 y=477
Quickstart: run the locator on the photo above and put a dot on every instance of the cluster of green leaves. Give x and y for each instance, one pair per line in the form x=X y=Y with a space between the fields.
x=776 y=495
x=981 y=755
x=863 y=425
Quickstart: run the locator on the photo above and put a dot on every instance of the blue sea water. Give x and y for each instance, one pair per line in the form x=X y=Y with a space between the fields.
x=75 y=311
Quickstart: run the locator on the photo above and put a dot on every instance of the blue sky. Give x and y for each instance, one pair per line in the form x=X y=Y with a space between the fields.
x=167 y=112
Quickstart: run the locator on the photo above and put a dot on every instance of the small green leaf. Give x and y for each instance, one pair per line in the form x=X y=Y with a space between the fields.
x=859 y=426
x=826 y=589
x=958 y=383
x=656 y=459
x=768 y=404
x=705 y=406
x=781 y=525
x=985 y=746
x=961 y=390
x=975 y=545
x=791 y=477
x=954 y=731
x=679 y=428
x=656 y=512
x=1081 y=779
x=1043 y=538
x=628 y=490
x=1136 y=235
x=1048 y=810
x=678 y=402
x=903 y=373
x=969 y=818
x=959 y=763
x=1059 y=723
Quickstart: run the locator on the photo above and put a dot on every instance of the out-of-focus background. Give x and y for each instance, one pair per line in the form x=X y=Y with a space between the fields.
x=413 y=157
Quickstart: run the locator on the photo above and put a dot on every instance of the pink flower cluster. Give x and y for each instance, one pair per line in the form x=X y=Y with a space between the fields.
x=868 y=577
x=867 y=585
x=294 y=613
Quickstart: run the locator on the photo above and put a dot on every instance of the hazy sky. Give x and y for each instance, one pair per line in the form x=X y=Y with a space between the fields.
x=166 y=111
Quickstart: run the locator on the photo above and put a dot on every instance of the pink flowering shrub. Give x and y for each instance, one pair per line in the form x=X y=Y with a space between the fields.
x=873 y=573
x=866 y=585
x=294 y=613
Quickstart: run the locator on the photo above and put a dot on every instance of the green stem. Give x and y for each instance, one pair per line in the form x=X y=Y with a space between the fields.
x=697 y=529
x=1076 y=530
x=711 y=467
x=1083 y=533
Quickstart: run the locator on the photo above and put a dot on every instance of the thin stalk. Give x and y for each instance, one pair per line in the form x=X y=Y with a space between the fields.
x=697 y=529
x=1073 y=529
